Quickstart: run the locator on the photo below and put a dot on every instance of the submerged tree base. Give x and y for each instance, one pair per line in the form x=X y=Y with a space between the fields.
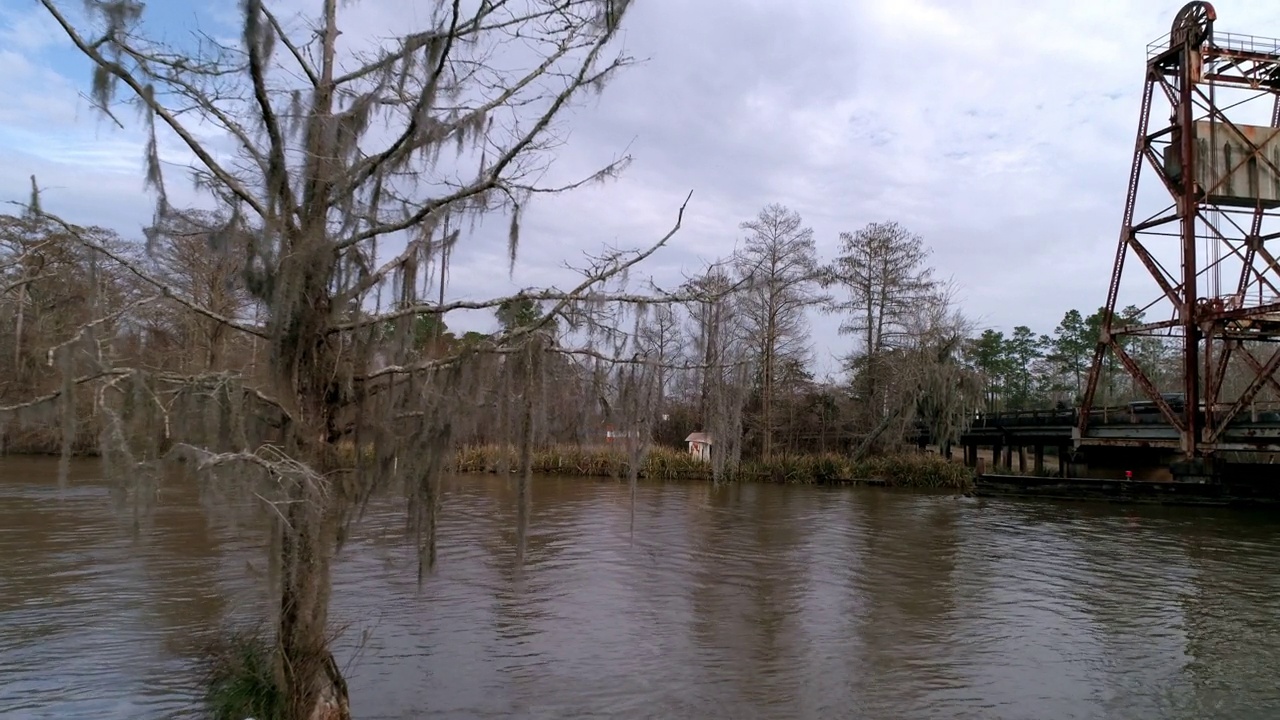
x=239 y=679
x=904 y=470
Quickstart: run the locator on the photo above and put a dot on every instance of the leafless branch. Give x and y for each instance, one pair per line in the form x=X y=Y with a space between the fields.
x=294 y=50
x=492 y=176
x=141 y=91
x=164 y=288
x=581 y=293
x=26 y=281
x=109 y=317
x=49 y=397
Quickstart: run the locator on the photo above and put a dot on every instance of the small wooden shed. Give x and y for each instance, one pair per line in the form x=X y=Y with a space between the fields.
x=699 y=445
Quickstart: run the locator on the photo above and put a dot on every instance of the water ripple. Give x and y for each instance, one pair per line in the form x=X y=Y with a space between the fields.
x=737 y=602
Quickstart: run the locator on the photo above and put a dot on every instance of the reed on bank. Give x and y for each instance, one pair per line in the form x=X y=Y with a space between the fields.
x=903 y=470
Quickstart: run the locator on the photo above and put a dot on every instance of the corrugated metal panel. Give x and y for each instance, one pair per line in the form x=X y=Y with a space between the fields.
x=1229 y=170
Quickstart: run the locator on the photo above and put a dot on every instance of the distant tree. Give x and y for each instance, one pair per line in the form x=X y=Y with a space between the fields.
x=929 y=386
x=948 y=391
x=1022 y=350
x=883 y=269
x=716 y=320
x=201 y=256
x=427 y=334
x=518 y=313
x=1071 y=350
x=722 y=345
x=660 y=338
x=987 y=354
x=779 y=258
x=1111 y=372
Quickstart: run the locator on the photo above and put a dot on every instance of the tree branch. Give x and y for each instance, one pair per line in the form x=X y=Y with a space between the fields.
x=164 y=288
x=115 y=372
x=293 y=49
x=562 y=298
x=491 y=177
x=371 y=165
x=277 y=171
x=95 y=323
x=25 y=281
x=148 y=98
x=418 y=41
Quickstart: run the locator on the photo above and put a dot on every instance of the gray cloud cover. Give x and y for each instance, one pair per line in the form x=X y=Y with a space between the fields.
x=1001 y=132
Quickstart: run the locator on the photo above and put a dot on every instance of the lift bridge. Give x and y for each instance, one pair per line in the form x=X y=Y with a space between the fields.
x=1195 y=250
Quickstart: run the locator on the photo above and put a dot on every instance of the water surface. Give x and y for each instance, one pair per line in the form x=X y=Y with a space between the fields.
x=696 y=602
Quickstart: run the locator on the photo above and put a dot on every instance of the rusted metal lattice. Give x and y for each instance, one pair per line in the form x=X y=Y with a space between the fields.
x=1200 y=218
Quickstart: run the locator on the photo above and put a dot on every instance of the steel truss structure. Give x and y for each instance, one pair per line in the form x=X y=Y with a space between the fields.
x=1213 y=180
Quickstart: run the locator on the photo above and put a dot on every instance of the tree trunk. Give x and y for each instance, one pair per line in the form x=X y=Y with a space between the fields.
x=17 y=332
x=766 y=400
x=313 y=685
x=310 y=678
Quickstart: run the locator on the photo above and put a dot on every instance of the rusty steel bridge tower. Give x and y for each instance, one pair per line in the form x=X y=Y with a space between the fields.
x=1197 y=250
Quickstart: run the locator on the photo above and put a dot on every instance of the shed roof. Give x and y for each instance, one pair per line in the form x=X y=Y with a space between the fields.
x=699 y=438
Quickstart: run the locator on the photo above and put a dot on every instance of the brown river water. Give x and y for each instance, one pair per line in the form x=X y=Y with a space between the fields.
x=695 y=602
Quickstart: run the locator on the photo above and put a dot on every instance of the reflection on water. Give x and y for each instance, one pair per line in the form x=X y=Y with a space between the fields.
x=740 y=602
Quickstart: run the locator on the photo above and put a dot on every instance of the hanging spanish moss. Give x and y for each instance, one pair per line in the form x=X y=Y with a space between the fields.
x=339 y=152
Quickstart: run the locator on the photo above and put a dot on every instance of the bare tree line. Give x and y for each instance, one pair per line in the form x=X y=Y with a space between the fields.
x=737 y=363
x=271 y=347
x=728 y=351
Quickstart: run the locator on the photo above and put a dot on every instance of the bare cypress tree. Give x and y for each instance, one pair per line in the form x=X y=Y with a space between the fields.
x=927 y=385
x=780 y=258
x=714 y=317
x=337 y=151
x=185 y=257
x=56 y=297
x=661 y=338
x=883 y=268
x=723 y=373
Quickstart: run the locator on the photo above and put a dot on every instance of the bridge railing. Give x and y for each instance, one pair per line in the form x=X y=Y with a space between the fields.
x=1135 y=413
x=1026 y=418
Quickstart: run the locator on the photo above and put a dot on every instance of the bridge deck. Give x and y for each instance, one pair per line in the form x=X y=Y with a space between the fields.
x=1119 y=490
x=1116 y=427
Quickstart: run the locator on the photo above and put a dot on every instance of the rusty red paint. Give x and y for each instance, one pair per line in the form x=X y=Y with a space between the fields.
x=1210 y=326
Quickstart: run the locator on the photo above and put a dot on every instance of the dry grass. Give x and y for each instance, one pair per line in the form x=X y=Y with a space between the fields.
x=908 y=470
x=48 y=440
x=659 y=464
x=665 y=464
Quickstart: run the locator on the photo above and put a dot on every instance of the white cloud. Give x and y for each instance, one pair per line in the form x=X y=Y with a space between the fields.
x=1001 y=132
x=28 y=28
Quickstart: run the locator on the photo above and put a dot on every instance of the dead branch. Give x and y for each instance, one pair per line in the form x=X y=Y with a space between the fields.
x=50 y=397
x=109 y=317
x=581 y=293
x=25 y=281
x=292 y=47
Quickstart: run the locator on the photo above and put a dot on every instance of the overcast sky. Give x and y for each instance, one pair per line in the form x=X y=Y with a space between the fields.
x=1001 y=132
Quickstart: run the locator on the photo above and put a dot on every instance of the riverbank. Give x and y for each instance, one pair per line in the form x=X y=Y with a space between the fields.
x=664 y=464
x=915 y=470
